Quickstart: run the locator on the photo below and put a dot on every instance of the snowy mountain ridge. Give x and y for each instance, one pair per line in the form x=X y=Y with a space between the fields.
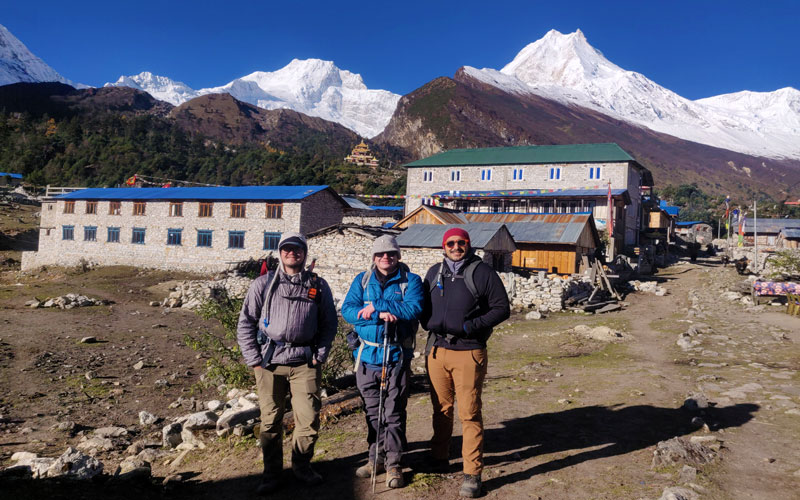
x=566 y=68
x=18 y=64
x=312 y=86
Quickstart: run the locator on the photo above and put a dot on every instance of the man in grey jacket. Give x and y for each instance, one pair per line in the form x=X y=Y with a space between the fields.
x=286 y=327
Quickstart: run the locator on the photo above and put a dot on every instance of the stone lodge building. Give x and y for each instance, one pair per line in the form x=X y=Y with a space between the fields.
x=192 y=229
x=571 y=178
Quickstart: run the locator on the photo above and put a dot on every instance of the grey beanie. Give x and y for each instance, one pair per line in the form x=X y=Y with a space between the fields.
x=293 y=239
x=386 y=243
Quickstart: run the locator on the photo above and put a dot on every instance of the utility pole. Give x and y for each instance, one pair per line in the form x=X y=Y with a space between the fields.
x=755 y=234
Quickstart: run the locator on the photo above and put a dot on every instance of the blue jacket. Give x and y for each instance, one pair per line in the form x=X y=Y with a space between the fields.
x=407 y=307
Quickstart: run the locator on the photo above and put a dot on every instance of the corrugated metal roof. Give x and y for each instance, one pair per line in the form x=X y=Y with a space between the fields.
x=770 y=225
x=535 y=193
x=13 y=176
x=791 y=233
x=255 y=193
x=356 y=203
x=527 y=155
x=430 y=235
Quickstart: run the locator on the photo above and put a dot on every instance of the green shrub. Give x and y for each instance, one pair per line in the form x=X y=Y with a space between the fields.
x=785 y=262
x=224 y=364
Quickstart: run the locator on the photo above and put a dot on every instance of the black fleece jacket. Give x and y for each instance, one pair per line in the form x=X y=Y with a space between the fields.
x=453 y=311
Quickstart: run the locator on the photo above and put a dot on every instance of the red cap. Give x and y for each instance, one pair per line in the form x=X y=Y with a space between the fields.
x=454 y=231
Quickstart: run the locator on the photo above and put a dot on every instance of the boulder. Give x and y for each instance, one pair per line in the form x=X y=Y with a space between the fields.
x=76 y=465
x=111 y=432
x=678 y=493
x=679 y=451
x=96 y=443
x=239 y=412
x=200 y=420
x=171 y=435
x=146 y=418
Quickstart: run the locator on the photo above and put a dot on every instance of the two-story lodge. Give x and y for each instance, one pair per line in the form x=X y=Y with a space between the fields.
x=573 y=178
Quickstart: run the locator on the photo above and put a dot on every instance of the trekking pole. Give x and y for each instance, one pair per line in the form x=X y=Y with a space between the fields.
x=380 y=401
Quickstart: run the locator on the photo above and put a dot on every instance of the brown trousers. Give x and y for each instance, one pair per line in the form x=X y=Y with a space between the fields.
x=458 y=375
x=273 y=386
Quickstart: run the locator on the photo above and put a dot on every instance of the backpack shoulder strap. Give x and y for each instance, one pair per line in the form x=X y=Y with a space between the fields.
x=270 y=289
x=438 y=282
x=469 y=277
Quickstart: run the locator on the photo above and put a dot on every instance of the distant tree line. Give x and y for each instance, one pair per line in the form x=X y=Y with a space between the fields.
x=104 y=149
x=697 y=205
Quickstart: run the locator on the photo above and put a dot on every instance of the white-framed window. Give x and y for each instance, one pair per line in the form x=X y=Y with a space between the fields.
x=517 y=174
x=486 y=174
x=594 y=173
x=427 y=176
x=555 y=174
x=455 y=176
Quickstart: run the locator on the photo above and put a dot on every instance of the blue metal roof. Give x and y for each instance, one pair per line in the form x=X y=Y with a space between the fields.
x=671 y=210
x=386 y=207
x=531 y=193
x=430 y=235
x=688 y=223
x=243 y=193
x=13 y=176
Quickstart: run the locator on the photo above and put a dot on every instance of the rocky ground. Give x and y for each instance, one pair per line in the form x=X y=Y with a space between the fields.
x=575 y=406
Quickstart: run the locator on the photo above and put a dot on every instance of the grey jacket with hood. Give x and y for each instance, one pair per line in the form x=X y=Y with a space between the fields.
x=308 y=324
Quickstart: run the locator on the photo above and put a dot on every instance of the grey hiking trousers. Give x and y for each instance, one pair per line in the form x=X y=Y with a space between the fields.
x=389 y=446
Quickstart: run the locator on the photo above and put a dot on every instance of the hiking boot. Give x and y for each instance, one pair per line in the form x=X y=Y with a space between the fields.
x=394 y=477
x=471 y=487
x=304 y=473
x=268 y=484
x=365 y=470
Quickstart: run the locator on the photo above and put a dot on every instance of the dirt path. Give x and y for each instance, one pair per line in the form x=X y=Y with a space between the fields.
x=566 y=417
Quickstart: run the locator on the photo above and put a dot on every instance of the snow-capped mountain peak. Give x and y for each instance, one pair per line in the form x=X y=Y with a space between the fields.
x=311 y=86
x=160 y=87
x=18 y=64
x=568 y=69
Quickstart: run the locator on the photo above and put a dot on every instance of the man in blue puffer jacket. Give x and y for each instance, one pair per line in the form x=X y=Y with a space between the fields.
x=385 y=300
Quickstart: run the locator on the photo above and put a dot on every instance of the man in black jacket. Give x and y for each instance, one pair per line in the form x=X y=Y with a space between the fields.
x=464 y=300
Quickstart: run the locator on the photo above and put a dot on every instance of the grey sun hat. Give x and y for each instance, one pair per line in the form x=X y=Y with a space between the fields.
x=386 y=243
x=293 y=239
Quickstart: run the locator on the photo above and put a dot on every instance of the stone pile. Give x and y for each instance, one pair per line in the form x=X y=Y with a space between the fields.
x=237 y=416
x=648 y=287
x=72 y=464
x=68 y=301
x=542 y=292
x=190 y=294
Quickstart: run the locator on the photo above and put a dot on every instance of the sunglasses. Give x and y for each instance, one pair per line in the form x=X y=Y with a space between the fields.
x=388 y=254
x=292 y=249
x=452 y=243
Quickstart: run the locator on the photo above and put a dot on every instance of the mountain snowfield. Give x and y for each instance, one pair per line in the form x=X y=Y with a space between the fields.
x=18 y=64
x=567 y=69
x=312 y=86
x=558 y=66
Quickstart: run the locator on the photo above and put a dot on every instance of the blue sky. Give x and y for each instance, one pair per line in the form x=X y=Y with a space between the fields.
x=695 y=48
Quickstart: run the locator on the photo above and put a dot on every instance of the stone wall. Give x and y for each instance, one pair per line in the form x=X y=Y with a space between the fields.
x=319 y=210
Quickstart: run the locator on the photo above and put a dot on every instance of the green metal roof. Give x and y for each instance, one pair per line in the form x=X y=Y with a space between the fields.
x=526 y=155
